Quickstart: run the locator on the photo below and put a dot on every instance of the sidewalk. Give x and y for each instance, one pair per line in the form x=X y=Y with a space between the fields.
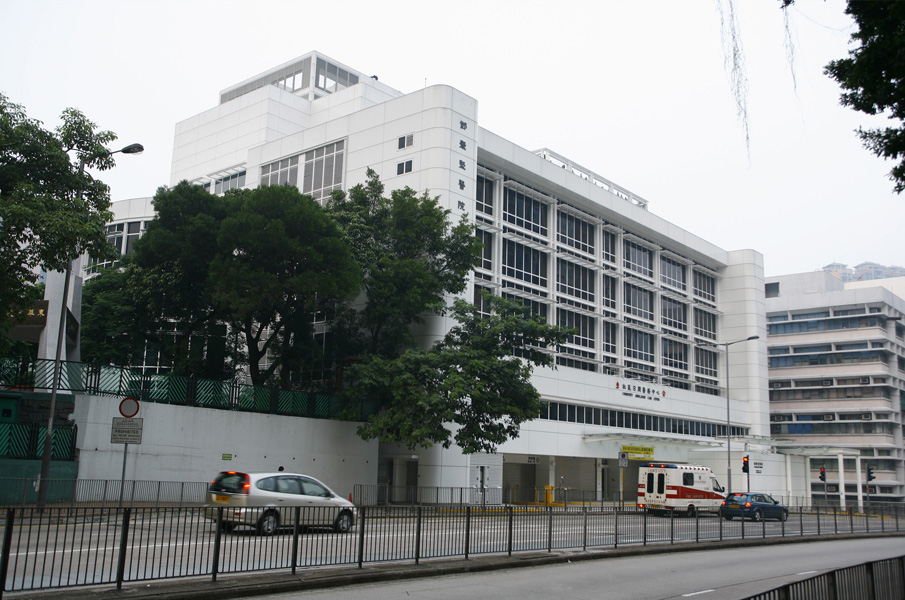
x=275 y=582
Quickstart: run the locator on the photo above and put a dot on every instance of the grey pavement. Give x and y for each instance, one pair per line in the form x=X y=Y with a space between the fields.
x=281 y=581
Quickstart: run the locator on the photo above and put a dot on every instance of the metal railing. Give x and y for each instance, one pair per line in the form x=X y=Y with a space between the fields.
x=103 y=380
x=75 y=546
x=103 y=492
x=877 y=580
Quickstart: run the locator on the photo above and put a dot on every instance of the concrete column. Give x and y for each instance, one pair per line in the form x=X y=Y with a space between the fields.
x=858 y=487
x=839 y=459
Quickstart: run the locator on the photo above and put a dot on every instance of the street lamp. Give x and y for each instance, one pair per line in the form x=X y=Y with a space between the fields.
x=61 y=335
x=725 y=346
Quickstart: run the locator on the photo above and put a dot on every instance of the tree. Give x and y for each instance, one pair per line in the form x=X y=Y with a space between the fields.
x=50 y=211
x=472 y=387
x=411 y=257
x=110 y=333
x=280 y=260
x=168 y=275
x=873 y=77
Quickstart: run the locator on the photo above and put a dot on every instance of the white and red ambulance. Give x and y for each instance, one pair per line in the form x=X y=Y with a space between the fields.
x=678 y=488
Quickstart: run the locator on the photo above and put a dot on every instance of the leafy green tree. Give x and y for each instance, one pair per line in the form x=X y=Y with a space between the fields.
x=412 y=259
x=873 y=77
x=473 y=387
x=168 y=276
x=280 y=260
x=50 y=211
x=110 y=333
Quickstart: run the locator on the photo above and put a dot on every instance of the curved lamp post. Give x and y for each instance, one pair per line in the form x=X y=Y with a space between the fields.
x=61 y=336
x=725 y=346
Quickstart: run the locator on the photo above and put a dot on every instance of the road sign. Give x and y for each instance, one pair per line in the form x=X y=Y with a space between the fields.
x=623 y=459
x=128 y=407
x=126 y=431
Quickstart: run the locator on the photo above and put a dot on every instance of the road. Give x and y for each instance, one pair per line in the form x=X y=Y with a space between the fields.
x=725 y=574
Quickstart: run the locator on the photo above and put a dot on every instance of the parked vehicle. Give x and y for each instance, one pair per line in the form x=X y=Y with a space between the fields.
x=267 y=501
x=753 y=505
x=672 y=488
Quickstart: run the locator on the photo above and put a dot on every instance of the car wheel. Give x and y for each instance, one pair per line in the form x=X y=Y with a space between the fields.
x=691 y=512
x=268 y=523
x=783 y=515
x=343 y=522
x=226 y=526
x=757 y=516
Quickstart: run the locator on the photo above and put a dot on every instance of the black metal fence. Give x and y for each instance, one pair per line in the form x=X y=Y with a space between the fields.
x=75 y=546
x=103 y=492
x=877 y=580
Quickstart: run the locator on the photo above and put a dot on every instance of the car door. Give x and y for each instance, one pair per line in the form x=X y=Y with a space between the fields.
x=322 y=509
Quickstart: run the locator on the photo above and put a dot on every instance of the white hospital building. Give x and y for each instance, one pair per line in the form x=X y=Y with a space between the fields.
x=637 y=383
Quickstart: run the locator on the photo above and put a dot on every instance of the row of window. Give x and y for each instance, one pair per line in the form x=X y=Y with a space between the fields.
x=815 y=360
x=780 y=328
x=321 y=168
x=597 y=341
x=571 y=413
x=528 y=210
x=833 y=428
x=121 y=236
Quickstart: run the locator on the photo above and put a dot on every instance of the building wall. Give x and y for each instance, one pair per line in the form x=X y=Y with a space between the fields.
x=182 y=443
x=837 y=389
x=676 y=409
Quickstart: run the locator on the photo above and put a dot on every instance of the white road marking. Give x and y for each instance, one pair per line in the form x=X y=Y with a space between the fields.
x=696 y=593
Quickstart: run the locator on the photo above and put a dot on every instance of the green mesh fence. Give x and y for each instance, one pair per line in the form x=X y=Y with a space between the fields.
x=17 y=373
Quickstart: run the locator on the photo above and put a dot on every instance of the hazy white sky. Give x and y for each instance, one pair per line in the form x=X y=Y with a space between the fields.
x=635 y=90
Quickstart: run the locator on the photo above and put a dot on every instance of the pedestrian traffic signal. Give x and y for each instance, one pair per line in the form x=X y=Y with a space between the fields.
x=745 y=464
x=870 y=474
x=822 y=474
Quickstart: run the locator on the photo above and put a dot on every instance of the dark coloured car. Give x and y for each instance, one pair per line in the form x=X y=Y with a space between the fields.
x=753 y=505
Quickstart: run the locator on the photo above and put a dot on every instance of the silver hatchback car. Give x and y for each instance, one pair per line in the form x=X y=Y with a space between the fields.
x=268 y=501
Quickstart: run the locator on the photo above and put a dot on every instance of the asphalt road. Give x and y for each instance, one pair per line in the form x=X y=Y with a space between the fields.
x=725 y=574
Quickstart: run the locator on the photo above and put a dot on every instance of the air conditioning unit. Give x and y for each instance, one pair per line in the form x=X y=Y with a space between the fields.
x=865 y=380
x=826 y=382
x=776 y=385
x=867 y=416
x=829 y=417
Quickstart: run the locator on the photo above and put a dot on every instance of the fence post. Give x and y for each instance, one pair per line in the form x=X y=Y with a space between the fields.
x=550 y=529
x=467 y=530
x=218 y=528
x=295 y=536
x=509 y=544
x=644 y=529
x=851 y=520
x=615 y=528
x=584 y=533
x=361 y=537
x=817 y=507
x=7 y=545
x=697 y=527
x=418 y=534
x=123 y=540
x=720 y=519
x=835 y=522
x=672 y=527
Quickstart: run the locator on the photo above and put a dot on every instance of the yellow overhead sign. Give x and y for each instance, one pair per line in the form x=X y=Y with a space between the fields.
x=639 y=451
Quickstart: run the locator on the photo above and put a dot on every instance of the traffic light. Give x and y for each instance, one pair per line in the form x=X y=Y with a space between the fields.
x=822 y=474
x=870 y=474
x=745 y=464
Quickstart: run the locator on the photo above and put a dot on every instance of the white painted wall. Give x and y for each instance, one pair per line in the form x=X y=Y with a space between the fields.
x=187 y=444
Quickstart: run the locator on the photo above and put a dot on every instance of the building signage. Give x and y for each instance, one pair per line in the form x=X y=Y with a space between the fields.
x=758 y=466
x=642 y=390
x=226 y=456
x=126 y=431
x=638 y=452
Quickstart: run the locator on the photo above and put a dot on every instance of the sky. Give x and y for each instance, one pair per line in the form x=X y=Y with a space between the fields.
x=635 y=90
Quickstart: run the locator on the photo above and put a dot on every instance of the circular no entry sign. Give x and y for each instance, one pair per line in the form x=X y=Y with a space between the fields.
x=128 y=407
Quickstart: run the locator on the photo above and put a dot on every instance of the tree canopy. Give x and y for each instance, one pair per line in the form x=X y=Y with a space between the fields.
x=873 y=77
x=473 y=387
x=50 y=211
